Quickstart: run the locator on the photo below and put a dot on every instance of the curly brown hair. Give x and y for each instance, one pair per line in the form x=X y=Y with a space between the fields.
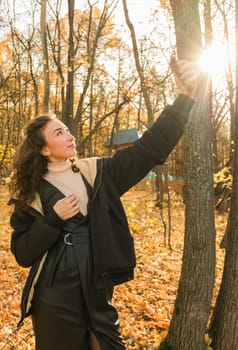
x=29 y=166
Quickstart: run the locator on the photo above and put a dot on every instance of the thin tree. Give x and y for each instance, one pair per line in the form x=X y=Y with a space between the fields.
x=159 y=170
x=138 y=65
x=192 y=305
x=223 y=329
x=68 y=106
x=46 y=78
x=220 y=8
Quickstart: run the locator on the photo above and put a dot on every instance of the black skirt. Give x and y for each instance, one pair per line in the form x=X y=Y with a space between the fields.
x=67 y=304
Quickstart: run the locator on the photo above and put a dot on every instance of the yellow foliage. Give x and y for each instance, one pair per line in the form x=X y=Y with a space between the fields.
x=164 y=3
x=224 y=178
x=5 y=52
x=8 y=155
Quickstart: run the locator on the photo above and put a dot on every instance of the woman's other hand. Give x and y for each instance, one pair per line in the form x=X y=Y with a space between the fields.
x=67 y=207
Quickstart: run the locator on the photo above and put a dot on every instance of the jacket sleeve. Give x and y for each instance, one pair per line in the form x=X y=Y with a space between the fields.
x=130 y=165
x=33 y=235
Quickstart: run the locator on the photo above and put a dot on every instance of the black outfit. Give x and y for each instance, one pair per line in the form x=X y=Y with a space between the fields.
x=102 y=254
x=66 y=295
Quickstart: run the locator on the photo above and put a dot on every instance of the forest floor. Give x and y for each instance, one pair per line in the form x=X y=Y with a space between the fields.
x=145 y=305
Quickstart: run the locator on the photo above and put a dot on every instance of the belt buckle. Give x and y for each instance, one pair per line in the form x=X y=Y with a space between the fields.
x=67 y=239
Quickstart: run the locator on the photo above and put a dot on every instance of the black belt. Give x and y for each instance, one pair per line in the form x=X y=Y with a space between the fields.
x=71 y=238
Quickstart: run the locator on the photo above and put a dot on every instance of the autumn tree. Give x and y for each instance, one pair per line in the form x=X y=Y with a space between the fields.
x=78 y=42
x=226 y=10
x=71 y=60
x=138 y=65
x=145 y=85
x=19 y=89
x=223 y=329
x=192 y=305
x=45 y=58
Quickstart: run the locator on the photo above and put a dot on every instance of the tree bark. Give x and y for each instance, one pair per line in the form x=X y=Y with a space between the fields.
x=45 y=103
x=192 y=306
x=138 y=65
x=223 y=329
x=68 y=108
x=94 y=36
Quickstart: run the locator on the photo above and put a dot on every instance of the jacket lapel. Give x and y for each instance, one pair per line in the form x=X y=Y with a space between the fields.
x=49 y=195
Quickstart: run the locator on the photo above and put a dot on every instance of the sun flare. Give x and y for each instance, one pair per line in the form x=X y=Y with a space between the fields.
x=213 y=60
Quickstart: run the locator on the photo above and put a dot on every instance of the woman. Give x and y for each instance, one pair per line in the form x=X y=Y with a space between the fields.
x=69 y=225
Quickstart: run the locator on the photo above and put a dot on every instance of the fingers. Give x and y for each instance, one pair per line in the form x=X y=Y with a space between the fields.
x=67 y=207
x=71 y=200
x=186 y=76
x=174 y=66
x=72 y=205
x=187 y=71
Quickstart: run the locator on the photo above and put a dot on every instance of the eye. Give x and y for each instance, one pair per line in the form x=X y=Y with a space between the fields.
x=59 y=132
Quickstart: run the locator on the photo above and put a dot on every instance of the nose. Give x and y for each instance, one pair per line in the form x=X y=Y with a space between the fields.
x=70 y=136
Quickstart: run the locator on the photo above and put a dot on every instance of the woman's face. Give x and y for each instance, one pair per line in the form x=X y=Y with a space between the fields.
x=60 y=143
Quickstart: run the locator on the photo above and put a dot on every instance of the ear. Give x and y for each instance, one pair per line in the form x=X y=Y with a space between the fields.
x=45 y=151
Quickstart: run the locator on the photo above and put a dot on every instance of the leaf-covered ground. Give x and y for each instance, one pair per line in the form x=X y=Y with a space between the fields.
x=145 y=305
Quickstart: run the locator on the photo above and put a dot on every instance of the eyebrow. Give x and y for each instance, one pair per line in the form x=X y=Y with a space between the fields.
x=61 y=128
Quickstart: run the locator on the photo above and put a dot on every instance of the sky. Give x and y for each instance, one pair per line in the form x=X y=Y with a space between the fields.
x=139 y=12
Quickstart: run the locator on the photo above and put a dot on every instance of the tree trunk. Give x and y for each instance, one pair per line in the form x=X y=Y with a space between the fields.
x=138 y=65
x=192 y=306
x=223 y=330
x=94 y=36
x=229 y=80
x=68 y=109
x=144 y=89
x=45 y=103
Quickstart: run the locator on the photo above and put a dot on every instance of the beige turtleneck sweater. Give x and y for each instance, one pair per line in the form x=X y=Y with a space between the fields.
x=61 y=176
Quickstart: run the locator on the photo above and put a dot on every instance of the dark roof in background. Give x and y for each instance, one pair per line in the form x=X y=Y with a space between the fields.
x=123 y=137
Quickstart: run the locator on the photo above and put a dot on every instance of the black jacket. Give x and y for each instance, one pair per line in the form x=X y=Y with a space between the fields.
x=112 y=244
